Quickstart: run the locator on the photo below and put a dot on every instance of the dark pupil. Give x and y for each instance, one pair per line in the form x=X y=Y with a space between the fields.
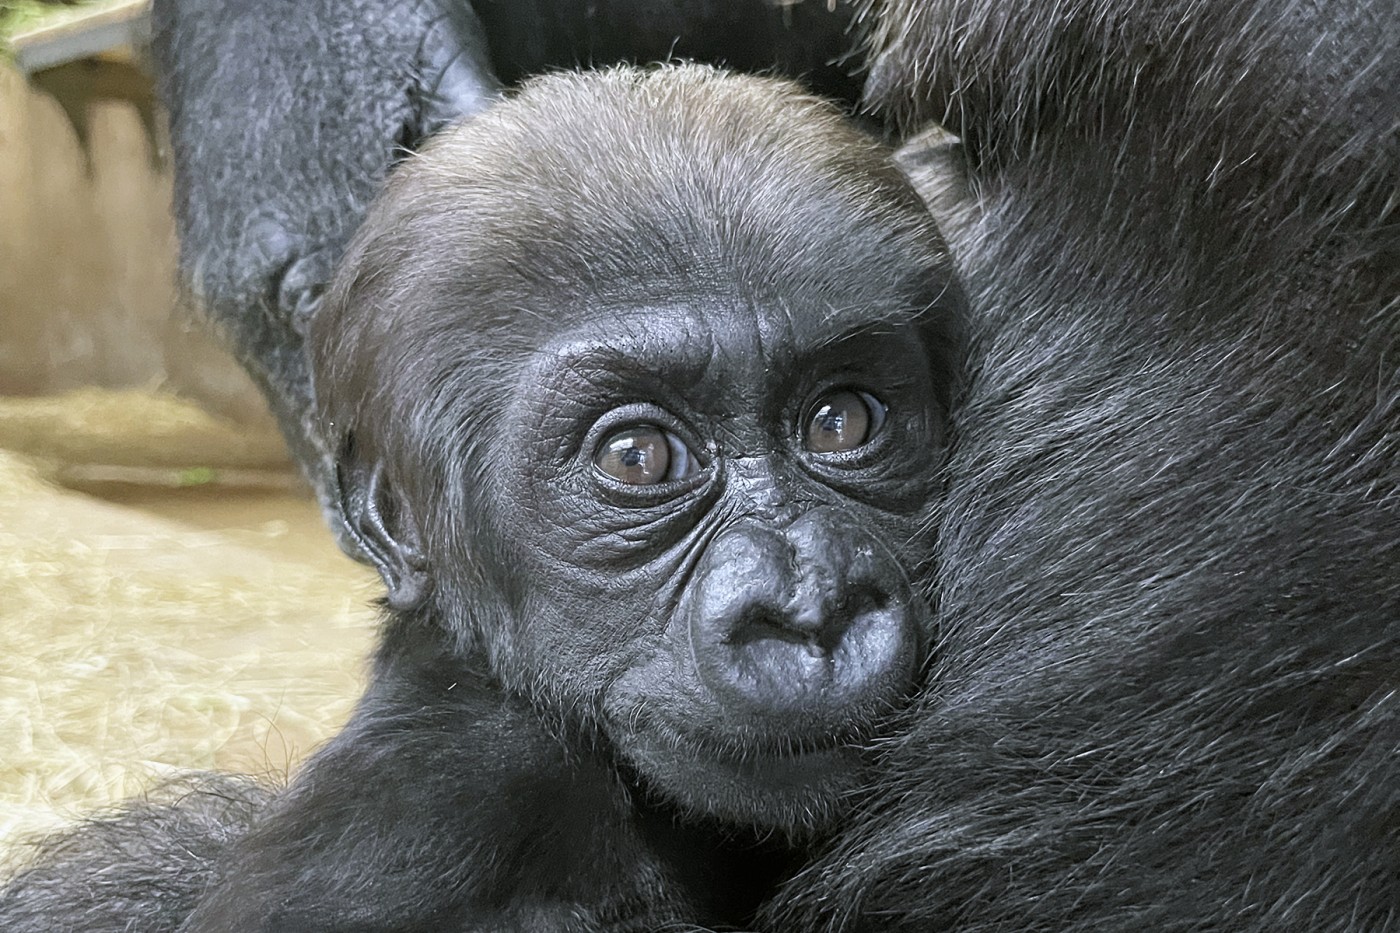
x=631 y=457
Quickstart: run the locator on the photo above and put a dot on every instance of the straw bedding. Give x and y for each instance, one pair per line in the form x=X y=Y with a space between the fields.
x=159 y=627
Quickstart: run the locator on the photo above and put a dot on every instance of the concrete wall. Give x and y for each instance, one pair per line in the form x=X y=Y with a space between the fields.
x=87 y=262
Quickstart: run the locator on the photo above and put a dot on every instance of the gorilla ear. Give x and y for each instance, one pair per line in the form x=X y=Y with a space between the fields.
x=935 y=163
x=383 y=527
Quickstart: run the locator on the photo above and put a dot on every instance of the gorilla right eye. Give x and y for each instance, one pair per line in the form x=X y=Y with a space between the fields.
x=644 y=455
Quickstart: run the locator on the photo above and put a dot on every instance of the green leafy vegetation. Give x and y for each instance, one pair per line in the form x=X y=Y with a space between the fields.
x=17 y=16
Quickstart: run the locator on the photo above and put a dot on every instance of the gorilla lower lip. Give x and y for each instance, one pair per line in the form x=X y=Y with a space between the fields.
x=782 y=786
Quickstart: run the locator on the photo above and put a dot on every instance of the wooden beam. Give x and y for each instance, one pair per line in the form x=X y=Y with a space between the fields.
x=104 y=28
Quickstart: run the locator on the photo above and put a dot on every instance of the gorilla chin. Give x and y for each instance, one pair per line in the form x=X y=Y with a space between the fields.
x=795 y=793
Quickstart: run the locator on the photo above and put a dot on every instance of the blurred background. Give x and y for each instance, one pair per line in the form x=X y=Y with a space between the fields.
x=169 y=597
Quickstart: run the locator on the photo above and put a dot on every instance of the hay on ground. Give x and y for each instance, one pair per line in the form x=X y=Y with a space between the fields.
x=160 y=632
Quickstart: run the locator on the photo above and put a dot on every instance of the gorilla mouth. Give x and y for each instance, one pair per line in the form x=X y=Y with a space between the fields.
x=785 y=785
x=745 y=743
x=793 y=766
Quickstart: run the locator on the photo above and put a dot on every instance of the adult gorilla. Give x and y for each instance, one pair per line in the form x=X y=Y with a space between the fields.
x=1165 y=690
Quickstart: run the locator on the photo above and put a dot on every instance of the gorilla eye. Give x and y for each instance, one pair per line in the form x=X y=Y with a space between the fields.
x=843 y=420
x=644 y=455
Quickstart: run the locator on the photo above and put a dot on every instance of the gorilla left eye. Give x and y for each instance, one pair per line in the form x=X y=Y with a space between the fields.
x=843 y=420
x=644 y=455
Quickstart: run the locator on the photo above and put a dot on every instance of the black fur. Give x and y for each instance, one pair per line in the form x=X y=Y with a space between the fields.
x=140 y=868
x=1163 y=695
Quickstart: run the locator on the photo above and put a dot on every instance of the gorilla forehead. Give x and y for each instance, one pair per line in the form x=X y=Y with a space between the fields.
x=717 y=345
x=657 y=177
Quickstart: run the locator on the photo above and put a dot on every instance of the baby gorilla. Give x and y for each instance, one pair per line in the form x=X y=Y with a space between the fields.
x=639 y=383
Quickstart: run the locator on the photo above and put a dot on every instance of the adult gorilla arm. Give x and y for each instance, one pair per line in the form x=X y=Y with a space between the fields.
x=286 y=114
x=284 y=117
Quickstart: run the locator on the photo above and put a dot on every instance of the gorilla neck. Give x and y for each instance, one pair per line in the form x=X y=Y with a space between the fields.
x=735 y=869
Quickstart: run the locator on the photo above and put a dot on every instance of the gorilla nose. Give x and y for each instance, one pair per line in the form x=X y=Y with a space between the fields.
x=816 y=621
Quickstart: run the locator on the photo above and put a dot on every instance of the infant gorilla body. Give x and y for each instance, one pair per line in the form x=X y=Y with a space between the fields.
x=644 y=438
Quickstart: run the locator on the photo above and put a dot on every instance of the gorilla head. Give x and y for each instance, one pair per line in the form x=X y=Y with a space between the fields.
x=661 y=444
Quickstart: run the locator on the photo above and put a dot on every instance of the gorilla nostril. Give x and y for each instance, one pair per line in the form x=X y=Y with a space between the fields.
x=853 y=603
x=808 y=632
x=761 y=622
x=828 y=665
x=822 y=627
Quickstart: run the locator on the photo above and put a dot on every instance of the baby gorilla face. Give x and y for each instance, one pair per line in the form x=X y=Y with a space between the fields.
x=661 y=426
x=725 y=504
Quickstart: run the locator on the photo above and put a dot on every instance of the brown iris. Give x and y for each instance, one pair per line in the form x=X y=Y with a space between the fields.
x=843 y=420
x=644 y=455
